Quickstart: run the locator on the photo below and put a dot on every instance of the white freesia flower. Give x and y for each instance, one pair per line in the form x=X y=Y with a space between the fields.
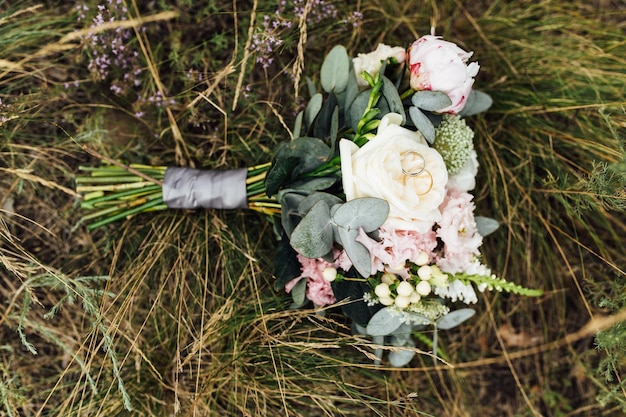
x=399 y=167
x=465 y=179
x=457 y=290
x=372 y=62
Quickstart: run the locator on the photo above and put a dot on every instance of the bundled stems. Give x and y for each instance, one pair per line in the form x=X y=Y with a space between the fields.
x=112 y=193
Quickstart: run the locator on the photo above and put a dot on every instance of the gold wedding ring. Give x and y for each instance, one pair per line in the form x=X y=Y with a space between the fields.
x=417 y=168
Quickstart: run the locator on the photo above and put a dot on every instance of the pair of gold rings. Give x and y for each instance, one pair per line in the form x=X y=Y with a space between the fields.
x=416 y=169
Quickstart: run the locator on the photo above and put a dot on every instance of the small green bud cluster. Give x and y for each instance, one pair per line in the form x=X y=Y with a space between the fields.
x=454 y=141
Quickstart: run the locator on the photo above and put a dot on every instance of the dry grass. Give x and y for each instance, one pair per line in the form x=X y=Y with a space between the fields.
x=175 y=312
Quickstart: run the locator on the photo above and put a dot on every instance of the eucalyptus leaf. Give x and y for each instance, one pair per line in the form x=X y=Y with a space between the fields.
x=312 y=109
x=367 y=213
x=297 y=126
x=298 y=293
x=352 y=89
x=422 y=123
x=378 y=352
x=289 y=214
x=383 y=323
x=313 y=236
x=431 y=100
x=355 y=110
x=307 y=203
x=358 y=311
x=390 y=93
x=279 y=173
x=286 y=264
x=400 y=358
x=486 y=225
x=311 y=86
x=335 y=70
x=322 y=125
x=310 y=185
x=454 y=318
x=356 y=251
x=477 y=102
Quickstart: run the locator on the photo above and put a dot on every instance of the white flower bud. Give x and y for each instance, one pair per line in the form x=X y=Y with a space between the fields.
x=423 y=288
x=402 y=302
x=388 y=278
x=404 y=289
x=386 y=301
x=329 y=274
x=422 y=259
x=425 y=272
x=415 y=298
x=382 y=290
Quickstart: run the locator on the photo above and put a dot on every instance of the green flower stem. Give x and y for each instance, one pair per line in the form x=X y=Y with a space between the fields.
x=111 y=193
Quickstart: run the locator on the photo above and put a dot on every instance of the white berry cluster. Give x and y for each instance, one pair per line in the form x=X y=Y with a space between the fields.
x=394 y=291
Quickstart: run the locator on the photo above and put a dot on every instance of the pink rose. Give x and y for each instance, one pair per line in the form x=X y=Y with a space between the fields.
x=439 y=65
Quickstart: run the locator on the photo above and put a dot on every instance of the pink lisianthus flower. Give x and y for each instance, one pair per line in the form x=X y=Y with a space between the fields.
x=439 y=65
x=458 y=232
x=396 y=247
x=319 y=291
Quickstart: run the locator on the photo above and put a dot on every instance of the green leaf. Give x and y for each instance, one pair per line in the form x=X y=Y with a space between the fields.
x=279 y=173
x=312 y=110
x=486 y=225
x=454 y=318
x=355 y=110
x=322 y=125
x=356 y=251
x=297 y=126
x=422 y=123
x=477 y=102
x=383 y=323
x=358 y=311
x=286 y=264
x=367 y=213
x=311 y=86
x=298 y=293
x=352 y=90
x=390 y=94
x=401 y=357
x=307 y=203
x=431 y=100
x=289 y=214
x=313 y=237
x=310 y=185
x=335 y=70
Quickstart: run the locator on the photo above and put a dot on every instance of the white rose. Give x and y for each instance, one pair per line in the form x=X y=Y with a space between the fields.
x=440 y=65
x=465 y=179
x=382 y=168
x=372 y=62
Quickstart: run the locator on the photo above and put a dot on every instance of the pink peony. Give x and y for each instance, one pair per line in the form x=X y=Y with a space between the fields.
x=440 y=65
x=458 y=232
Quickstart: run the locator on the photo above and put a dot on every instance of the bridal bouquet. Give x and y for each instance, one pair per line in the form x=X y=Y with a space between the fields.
x=371 y=199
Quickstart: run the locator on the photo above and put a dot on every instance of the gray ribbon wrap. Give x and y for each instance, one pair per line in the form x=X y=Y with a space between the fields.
x=189 y=188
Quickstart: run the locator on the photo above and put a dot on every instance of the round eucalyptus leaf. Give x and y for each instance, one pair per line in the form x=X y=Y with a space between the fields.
x=335 y=70
x=356 y=251
x=486 y=225
x=313 y=236
x=422 y=123
x=431 y=100
x=367 y=213
x=383 y=323
x=454 y=318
